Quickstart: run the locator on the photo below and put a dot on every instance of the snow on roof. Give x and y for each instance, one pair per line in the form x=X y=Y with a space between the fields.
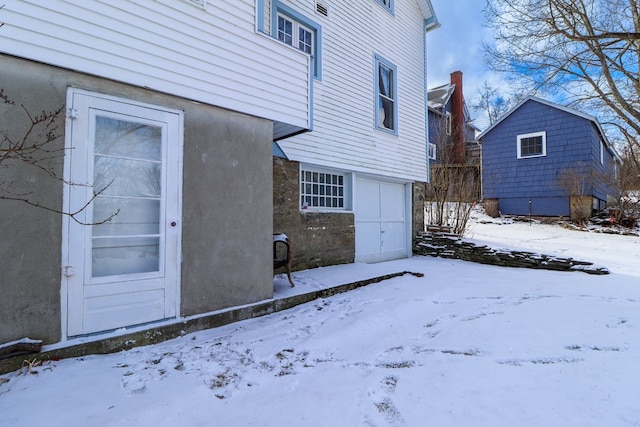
x=439 y=96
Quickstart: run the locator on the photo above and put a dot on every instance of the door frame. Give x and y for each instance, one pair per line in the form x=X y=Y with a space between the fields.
x=67 y=202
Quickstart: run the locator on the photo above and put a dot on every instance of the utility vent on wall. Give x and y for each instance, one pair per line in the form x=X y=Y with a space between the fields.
x=322 y=8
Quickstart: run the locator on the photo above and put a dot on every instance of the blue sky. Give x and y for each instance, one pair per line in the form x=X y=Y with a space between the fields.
x=456 y=46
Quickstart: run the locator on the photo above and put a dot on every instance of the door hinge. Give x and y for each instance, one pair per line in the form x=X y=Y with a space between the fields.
x=68 y=271
x=72 y=113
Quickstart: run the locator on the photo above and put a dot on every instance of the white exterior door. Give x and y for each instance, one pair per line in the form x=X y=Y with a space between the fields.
x=121 y=254
x=381 y=224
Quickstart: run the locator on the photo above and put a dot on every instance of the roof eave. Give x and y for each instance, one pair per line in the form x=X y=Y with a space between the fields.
x=430 y=19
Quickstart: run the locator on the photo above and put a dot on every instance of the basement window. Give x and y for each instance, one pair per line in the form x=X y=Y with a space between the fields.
x=324 y=190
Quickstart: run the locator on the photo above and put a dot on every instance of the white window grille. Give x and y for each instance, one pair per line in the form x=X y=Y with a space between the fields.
x=323 y=190
x=532 y=145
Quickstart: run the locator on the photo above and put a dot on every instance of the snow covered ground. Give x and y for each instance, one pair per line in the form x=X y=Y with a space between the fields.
x=465 y=345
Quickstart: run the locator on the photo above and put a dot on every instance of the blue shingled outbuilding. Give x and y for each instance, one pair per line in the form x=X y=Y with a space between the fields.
x=532 y=149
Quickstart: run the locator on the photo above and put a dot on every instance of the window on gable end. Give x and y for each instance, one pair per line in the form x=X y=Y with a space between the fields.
x=296 y=30
x=532 y=145
x=386 y=95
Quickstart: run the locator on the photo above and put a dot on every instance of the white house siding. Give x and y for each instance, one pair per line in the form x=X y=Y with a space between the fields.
x=344 y=134
x=213 y=55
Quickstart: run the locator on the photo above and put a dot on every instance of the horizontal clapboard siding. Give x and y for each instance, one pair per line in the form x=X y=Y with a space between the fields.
x=211 y=55
x=344 y=134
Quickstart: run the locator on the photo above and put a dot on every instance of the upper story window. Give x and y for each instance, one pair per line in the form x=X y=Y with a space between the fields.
x=601 y=153
x=387 y=4
x=532 y=145
x=295 y=34
x=448 y=122
x=433 y=151
x=386 y=95
x=294 y=29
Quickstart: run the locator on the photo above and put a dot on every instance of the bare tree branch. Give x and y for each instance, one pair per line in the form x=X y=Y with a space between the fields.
x=37 y=146
x=586 y=52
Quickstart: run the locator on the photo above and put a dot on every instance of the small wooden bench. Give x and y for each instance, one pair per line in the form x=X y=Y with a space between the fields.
x=285 y=262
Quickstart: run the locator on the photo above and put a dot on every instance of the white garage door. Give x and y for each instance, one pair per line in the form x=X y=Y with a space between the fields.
x=381 y=224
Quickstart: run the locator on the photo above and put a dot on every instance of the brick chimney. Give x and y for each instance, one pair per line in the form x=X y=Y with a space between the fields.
x=457 y=119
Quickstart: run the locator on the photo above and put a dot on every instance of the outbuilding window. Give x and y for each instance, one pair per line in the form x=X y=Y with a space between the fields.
x=532 y=145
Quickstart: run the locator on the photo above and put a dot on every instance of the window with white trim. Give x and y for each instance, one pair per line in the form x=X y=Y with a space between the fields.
x=386 y=95
x=532 y=145
x=448 y=122
x=298 y=31
x=601 y=153
x=433 y=150
x=295 y=34
x=324 y=190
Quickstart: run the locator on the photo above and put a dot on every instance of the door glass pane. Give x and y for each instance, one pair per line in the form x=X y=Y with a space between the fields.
x=128 y=177
x=116 y=137
x=125 y=255
x=123 y=177
x=135 y=216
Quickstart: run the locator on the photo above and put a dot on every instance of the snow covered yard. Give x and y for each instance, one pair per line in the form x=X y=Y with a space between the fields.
x=466 y=344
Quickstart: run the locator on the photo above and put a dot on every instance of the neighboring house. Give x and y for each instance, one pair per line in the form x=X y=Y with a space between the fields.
x=540 y=158
x=454 y=153
x=172 y=107
x=452 y=134
x=351 y=189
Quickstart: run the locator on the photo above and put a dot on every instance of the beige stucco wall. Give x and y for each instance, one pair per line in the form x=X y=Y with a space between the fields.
x=227 y=205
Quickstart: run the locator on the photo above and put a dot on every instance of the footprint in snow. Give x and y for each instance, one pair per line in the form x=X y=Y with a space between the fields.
x=381 y=398
x=134 y=383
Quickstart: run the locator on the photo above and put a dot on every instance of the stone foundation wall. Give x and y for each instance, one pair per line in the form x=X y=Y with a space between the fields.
x=417 y=204
x=318 y=239
x=445 y=245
